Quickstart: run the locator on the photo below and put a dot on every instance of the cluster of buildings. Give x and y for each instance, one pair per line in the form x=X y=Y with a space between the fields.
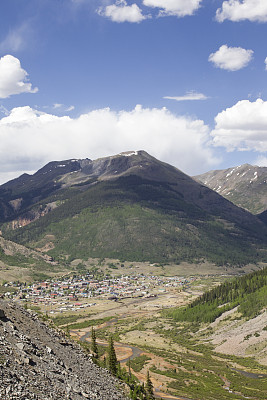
x=72 y=289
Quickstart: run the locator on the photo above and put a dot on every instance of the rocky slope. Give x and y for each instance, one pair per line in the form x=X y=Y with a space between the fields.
x=245 y=186
x=37 y=362
x=245 y=338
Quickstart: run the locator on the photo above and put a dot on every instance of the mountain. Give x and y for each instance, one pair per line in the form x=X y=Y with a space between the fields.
x=235 y=316
x=245 y=186
x=39 y=362
x=130 y=206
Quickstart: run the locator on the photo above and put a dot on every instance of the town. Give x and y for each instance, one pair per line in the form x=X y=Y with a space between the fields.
x=74 y=291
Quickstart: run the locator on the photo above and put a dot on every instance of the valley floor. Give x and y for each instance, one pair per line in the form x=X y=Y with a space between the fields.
x=215 y=361
x=180 y=366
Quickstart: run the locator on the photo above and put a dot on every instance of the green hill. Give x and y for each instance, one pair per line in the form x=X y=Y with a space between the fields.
x=248 y=292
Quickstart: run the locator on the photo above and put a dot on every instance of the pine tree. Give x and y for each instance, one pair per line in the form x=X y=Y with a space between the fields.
x=112 y=358
x=104 y=362
x=94 y=347
x=68 y=331
x=129 y=368
x=149 y=388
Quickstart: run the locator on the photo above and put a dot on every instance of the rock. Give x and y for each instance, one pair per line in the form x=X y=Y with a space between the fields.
x=20 y=346
x=49 y=350
x=2 y=314
x=28 y=361
x=86 y=395
x=39 y=365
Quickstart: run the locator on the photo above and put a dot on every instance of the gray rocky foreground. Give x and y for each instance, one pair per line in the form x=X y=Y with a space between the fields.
x=39 y=362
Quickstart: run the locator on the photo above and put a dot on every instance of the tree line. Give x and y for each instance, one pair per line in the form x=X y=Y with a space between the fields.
x=248 y=292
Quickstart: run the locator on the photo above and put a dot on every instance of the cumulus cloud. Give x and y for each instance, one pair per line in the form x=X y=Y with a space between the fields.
x=231 y=58
x=31 y=138
x=265 y=63
x=13 y=79
x=192 y=95
x=237 y=10
x=121 y=12
x=179 y=8
x=242 y=127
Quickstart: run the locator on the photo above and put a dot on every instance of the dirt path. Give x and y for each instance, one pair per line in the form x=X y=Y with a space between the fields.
x=164 y=396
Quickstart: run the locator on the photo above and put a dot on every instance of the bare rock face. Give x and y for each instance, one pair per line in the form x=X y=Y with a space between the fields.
x=245 y=186
x=38 y=362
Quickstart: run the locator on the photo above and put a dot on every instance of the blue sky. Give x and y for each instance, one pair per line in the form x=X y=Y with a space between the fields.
x=185 y=80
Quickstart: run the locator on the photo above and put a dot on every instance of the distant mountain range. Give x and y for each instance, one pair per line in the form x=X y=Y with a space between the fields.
x=245 y=186
x=130 y=206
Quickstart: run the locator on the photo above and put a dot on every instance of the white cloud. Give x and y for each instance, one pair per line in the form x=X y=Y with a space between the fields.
x=57 y=105
x=242 y=127
x=231 y=58
x=16 y=39
x=70 y=108
x=121 y=12
x=192 y=95
x=179 y=8
x=260 y=161
x=31 y=138
x=235 y=10
x=4 y=110
x=13 y=79
x=61 y=107
x=265 y=63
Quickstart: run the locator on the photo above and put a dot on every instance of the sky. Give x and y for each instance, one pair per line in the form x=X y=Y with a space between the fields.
x=184 y=80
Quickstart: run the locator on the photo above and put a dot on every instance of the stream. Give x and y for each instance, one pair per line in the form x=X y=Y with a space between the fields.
x=137 y=352
x=249 y=374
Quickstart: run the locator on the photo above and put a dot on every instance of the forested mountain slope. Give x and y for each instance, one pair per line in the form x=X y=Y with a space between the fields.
x=248 y=293
x=129 y=206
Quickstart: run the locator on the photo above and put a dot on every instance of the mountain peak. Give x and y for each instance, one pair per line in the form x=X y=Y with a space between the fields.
x=111 y=167
x=128 y=153
x=244 y=185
